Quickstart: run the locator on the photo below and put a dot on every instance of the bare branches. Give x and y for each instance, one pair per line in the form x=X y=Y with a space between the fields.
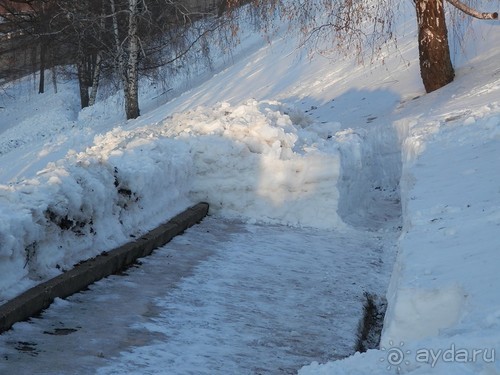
x=472 y=12
x=351 y=26
x=360 y=26
x=118 y=41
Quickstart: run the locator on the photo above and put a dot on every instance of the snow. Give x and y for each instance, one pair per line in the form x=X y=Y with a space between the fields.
x=441 y=317
x=270 y=138
x=128 y=177
x=253 y=163
x=288 y=162
x=86 y=203
x=225 y=297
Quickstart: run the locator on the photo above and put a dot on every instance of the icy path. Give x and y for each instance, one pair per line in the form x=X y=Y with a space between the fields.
x=224 y=298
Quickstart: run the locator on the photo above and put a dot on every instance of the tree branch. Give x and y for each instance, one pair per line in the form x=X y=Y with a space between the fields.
x=472 y=12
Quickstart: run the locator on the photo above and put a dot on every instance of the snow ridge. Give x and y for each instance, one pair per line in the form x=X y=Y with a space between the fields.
x=249 y=161
x=86 y=203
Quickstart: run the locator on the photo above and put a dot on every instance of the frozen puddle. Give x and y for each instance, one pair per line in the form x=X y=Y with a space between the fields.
x=224 y=298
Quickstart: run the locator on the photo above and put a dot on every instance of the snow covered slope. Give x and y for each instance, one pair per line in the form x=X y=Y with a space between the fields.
x=443 y=314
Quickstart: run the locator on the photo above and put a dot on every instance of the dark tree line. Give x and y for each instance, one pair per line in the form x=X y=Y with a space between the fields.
x=119 y=38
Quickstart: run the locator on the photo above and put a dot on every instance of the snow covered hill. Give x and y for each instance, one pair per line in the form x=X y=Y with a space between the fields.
x=275 y=138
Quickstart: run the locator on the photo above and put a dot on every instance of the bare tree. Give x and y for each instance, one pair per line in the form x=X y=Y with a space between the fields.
x=436 y=68
x=120 y=38
x=145 y=35
x=354 y=25
x=126 y=44
x=83 y=23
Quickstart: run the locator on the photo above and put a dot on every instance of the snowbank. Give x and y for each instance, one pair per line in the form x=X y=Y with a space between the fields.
x=443 y=312
x=249 y=162
x=86 y=203
x=444 y=286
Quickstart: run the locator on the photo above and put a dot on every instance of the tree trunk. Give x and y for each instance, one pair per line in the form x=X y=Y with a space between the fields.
x=54 y=79
x=96 y=73
x=41 y=84
x=95 y=79
x=83 y=83
x=131 y=86
x=436 y=69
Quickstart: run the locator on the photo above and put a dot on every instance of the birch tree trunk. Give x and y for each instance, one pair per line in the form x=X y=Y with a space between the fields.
x=128 y=59
x=131 y=84
x=95 y=79
x=96 y=73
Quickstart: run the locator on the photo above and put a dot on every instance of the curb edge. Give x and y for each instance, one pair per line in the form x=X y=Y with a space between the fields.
x=39 y=297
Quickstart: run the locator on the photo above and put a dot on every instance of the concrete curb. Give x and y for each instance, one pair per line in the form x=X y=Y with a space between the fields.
x=87 y=272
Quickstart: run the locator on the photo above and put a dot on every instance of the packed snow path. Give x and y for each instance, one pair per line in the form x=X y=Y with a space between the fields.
x=224 y=298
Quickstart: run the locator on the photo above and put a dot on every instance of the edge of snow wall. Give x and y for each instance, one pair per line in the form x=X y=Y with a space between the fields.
x=87 y=272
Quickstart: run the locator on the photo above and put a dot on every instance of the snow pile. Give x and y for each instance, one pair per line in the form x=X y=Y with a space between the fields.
x=252 y=163
x=453 y=215
x=86 y=203
x=444 y=315
x=249 y=162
